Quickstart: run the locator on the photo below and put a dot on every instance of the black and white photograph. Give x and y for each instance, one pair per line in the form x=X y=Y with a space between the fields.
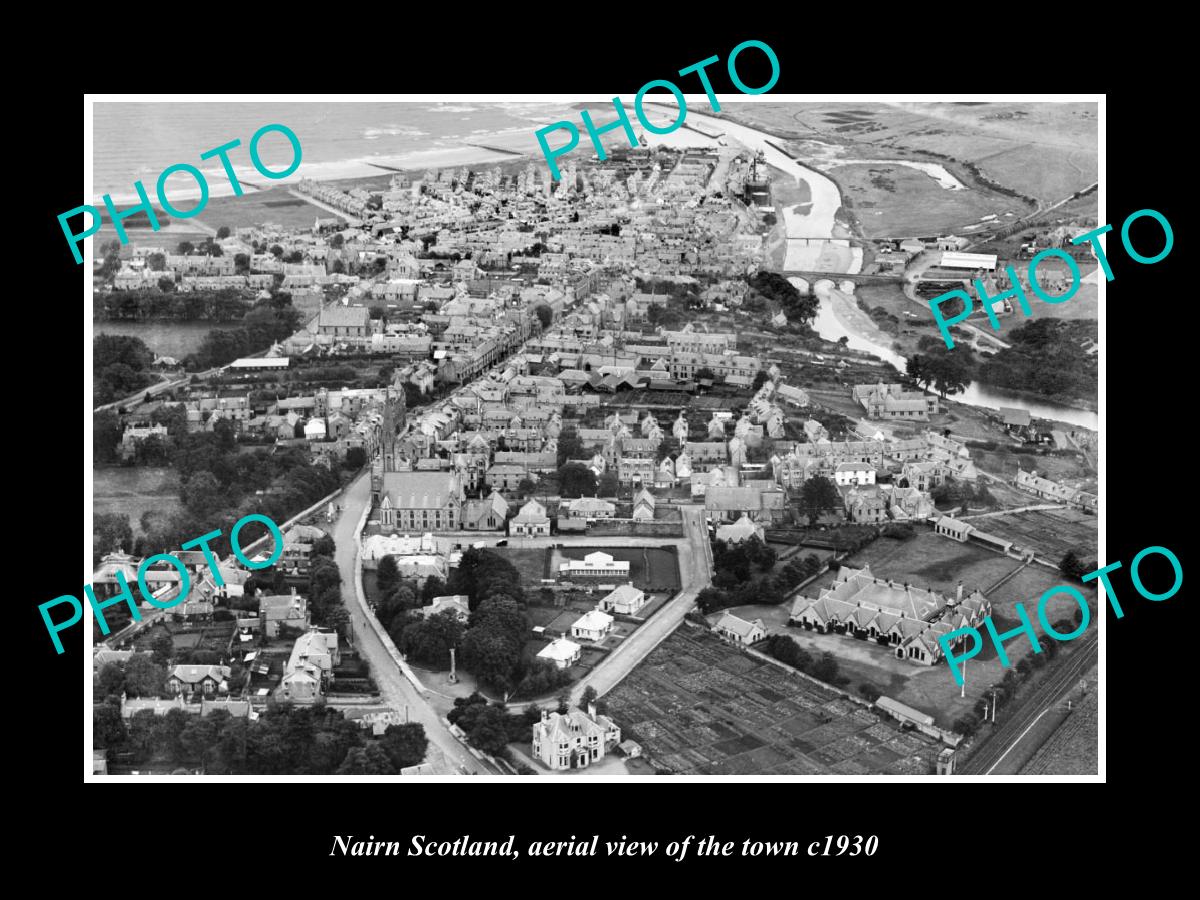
x=734 y=435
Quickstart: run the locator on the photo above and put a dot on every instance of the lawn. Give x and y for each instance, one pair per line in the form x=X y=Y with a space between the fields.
x=256 y=207
x=698 y=705
x=530 y=563
x=898 y=201
x=134 y=491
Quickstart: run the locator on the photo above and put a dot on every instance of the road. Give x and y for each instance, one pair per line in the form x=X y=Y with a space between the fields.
x=991 y=754
x=397 y=690
x=695 y=569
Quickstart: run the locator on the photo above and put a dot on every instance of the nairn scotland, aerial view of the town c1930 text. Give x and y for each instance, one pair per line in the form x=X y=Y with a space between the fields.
x=659 y=467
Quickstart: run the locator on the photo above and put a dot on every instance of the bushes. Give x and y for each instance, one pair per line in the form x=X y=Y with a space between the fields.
x=899 y=531
x=870 y=692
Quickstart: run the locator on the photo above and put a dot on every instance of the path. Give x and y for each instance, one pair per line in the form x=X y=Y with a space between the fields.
x=1004 y=512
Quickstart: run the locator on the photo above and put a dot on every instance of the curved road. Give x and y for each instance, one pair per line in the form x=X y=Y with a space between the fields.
x=397 y=690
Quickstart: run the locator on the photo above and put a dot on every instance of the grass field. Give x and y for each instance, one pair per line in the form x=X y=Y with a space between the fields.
x=133 y=491
x=1044 y=150
x=900 y=202
x=700 y=706
x=256 y=207
x=1074 y=748
x=531 y=563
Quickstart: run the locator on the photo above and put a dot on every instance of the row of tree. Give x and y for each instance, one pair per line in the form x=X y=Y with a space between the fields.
x=284 y=740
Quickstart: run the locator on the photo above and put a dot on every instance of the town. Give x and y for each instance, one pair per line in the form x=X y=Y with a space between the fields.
x=569 y=480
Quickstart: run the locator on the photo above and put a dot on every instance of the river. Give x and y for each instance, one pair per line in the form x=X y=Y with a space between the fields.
x=815 y=244
x=829 y=326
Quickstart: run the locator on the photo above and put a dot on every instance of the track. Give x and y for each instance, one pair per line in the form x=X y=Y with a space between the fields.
x=988 y=754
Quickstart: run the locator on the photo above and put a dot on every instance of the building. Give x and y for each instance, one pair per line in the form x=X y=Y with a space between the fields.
x=624 y=600
x=282 y=611
x=530 y=521
x=596 y=566
x=575 y=739
x=593 y=625
x=643 y=506
x=738 y=630
x=905 y=618
x=456 y=603
x=310 y=667
x=562 y=652
x=590 y=508
x=199 y=680
x=1052 y=490
x=344 y=322
x=420 y=501
x=488 y=514
x=856 y=473
x=891 y=401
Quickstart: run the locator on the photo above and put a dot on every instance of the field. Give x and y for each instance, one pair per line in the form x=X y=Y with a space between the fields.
x=530 y=563
x=177 y=339
x=255 y=207
x=900 y=202
x=1043 y=150
x=1074 y=748
x=1051 y=532
x=650 y=568
x=700 y=706
x=1004 y=462
x=134 y=491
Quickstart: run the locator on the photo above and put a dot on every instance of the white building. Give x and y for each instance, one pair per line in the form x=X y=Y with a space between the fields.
x=625 y=600
x=562 y=652
x=531 y=521
x=595 y=566
x=594 y=625
x=857 y=473
x=739 y=630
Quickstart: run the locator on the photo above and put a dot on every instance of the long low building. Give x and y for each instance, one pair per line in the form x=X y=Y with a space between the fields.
x=908 y=619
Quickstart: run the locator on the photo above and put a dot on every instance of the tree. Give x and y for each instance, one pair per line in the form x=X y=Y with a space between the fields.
x=111 y=531
x=760 y=379
x=588 y=698
x=143 y=676
x=706 y=372
x=186 y=247
x=387 y=576
x=157 y=262
x=405 y=745
x=339 y=267
x=1072 y=566
x=544 y=314
x=110 y=681
x=108 y=728
x=826 y=668
x=162 y=648
x=241 y=263
x=356 y=458
x=576 y=480
x=817 y=495
x=609 y=484
x=166 y=284
x=569 y=445
x=369 y=760
x=276 y=251
x=222 y=232
x=337 y=241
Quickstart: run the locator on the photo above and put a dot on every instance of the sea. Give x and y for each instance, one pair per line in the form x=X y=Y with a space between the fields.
x=136 y=141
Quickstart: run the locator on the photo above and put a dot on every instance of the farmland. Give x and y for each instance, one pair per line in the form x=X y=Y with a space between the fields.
x=701 y=706
x=1051 y=532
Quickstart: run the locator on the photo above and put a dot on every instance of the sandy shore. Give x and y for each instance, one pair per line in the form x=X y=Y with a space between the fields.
x=182 y=189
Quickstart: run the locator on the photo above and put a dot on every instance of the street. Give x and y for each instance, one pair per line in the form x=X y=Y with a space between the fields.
x=397 y=690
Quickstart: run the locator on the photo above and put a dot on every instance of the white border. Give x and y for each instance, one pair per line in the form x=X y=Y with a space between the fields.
x=91 y=99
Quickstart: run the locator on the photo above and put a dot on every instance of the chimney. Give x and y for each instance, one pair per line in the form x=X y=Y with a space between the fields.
x=958 y=598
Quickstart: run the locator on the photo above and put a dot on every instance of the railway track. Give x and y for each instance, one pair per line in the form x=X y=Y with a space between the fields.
x=987 y=755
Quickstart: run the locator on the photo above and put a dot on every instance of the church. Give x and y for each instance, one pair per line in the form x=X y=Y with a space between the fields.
x=411 y=501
